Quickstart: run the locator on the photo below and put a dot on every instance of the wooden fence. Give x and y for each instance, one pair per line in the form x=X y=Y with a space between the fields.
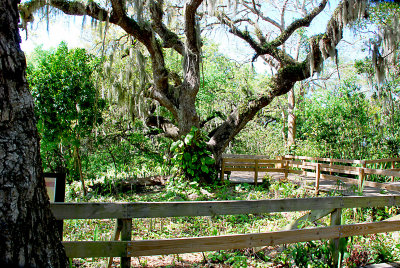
x=320 y=168
x=333 y=169
x=124 y=212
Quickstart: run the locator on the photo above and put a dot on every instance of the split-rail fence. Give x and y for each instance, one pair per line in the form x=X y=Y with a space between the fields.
x=127 y=248
x=345 y=170
x=320 y=168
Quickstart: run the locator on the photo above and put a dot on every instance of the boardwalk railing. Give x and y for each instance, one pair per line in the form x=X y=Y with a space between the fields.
x=127 y=248
x=320 y=168
x=334 y=169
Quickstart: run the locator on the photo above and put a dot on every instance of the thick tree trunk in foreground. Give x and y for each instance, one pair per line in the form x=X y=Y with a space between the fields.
x=28 y=232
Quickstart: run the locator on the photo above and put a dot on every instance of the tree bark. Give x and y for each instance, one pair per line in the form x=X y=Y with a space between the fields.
x=28 y=230
x=187 y=114
x=291 y=138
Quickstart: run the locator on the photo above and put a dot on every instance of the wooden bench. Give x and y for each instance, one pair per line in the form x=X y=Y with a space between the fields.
x=251 y=163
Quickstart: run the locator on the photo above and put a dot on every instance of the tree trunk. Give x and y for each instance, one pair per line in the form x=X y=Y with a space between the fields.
x=291 y=137
x=28 y=230
x=187 y=114
x=79 y=166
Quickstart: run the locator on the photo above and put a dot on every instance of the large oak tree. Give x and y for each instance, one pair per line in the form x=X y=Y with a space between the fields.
x=28 y=232
x=249 y=21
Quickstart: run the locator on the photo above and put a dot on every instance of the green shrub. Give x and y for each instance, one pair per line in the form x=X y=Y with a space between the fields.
x=192 y=159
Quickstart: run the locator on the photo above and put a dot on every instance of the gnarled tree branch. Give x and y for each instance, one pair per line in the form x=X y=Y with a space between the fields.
x=169 y=129
x=170 y=39
x=190 y=24
x=76 y=8
x=163 y=100
x=262 y=16
x=260 y=49
x=303 y=22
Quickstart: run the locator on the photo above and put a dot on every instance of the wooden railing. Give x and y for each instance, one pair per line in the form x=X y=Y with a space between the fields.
x=320 y=168
x=324 y=168
x=124 y=212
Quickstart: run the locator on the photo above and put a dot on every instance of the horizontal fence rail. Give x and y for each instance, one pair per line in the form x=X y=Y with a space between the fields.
x=320 y=159
x=245 y=156
x=224 y=242
x=211 y=208
x=385 y=160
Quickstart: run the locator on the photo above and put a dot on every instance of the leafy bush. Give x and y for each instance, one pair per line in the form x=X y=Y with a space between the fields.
x=311 y=254
x=66 y=105
x=235 y=258
x=191 y=157
x=357 y=258
x=346 y=123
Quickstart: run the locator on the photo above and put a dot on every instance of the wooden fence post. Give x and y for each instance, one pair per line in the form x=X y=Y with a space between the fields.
x=317 y=177
x=280 y=165
x=361 y=176
x=126 y=235
x=336 y=219
x=286 y=167
x=392 y=168
x=255 y=172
